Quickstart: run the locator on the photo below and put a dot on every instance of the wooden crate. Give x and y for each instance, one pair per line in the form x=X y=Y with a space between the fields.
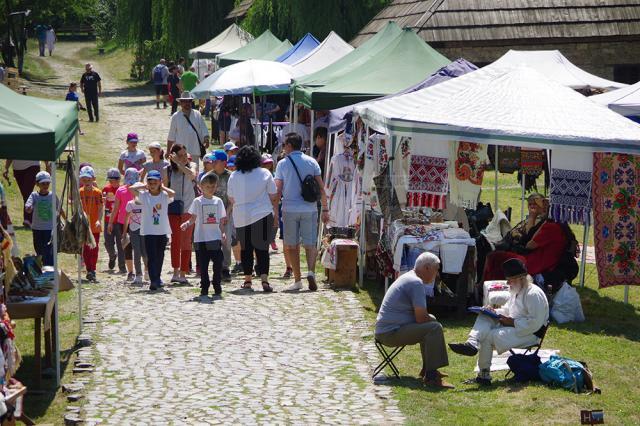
x=345 y=275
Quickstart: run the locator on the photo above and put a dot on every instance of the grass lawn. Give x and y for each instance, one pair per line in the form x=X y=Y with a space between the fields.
x=48 y=406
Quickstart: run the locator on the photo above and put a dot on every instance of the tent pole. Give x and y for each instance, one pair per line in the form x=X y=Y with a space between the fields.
x=495 y=207
x=626 y=294
x=255 y=117
x=312 y=141
x=522 y=200
x=261 y=117
x=394 y=139
x=76 y=165
x=291 y=111
x=363 y=240
x=56 y=275
x=583 y=260
x=328 y=151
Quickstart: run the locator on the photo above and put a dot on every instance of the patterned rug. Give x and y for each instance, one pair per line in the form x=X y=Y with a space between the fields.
x=508 y=159
x=428 y=182
x=531 y=161
x=570 y=196
x=616 y=210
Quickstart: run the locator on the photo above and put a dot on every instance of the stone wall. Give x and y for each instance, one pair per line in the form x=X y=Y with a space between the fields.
x=598 y=58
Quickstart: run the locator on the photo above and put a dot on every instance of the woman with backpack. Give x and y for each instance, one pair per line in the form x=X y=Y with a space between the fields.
x=181 y=175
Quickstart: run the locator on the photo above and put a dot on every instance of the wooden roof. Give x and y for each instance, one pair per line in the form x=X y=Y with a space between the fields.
x=468 y=21
x=240 y=11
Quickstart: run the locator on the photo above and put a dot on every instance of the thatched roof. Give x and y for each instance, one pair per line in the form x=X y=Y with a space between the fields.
x=499 y=21
x=240 y=11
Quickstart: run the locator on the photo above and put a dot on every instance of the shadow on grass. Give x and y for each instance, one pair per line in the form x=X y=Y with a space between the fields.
x=605 y=316
x=38 y=400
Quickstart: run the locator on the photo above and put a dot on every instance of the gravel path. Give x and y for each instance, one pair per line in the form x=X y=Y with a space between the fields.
x=166 y=358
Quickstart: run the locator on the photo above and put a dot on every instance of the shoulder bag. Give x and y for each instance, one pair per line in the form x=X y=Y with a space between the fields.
x=203 y=150
x=309 y=185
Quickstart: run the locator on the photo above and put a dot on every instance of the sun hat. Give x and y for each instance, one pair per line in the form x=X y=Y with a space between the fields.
x=267 y=159
x=155 y=145
x=229 y=146
x=87 y=172
x=220 y=155
x=232 y=161
x=131 y=176
x=154 y=174
x=185 y=96
x=43 y=177
x=113 y=173
x=514 y=268
x=132 y=137
x=209 y=158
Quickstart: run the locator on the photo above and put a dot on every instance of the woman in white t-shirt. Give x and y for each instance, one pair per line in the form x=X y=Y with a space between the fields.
x=253 y=197
x=154 y=223
x=24 y=172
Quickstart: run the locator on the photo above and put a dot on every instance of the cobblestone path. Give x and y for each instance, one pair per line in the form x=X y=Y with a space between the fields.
x=165 y=358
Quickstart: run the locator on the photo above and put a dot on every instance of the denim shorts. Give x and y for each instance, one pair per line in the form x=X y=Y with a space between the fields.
x=300 y=227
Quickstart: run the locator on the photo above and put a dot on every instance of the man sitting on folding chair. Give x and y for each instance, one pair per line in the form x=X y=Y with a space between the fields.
x=403 y=320
x=522 y=322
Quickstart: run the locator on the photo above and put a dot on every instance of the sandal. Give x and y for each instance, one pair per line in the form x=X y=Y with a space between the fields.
x=266 y=287
x=246 y=285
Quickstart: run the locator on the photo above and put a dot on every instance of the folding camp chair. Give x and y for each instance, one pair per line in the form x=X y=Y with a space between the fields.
x=387 y=359
x=541 y=333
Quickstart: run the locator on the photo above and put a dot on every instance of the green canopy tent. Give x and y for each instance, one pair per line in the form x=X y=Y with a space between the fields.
x=271 y=55
x=259 y=47
x=402 y=62
x=35 y=128
x=39 y=129
x=349 y=61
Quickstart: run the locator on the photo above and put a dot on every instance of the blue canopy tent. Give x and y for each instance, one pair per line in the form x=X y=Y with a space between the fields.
x=301 y=49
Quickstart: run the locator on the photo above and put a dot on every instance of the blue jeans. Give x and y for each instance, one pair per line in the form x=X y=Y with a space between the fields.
x=155 y=246
x=43 y=247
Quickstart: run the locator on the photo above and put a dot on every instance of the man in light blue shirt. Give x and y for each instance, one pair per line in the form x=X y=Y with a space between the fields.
x=299 y=217
x=403 y=319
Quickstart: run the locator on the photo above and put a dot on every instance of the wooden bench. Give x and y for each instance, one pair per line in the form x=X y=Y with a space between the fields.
x=75 y=31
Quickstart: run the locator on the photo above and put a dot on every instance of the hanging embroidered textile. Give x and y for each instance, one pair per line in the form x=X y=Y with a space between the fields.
x=375 y=160
x=467 y=168
x=531 y=161
x=570 y=194
x=342 y=176
x=508 y=159
x=387 y=198
x=616 y=211
x=428 y=182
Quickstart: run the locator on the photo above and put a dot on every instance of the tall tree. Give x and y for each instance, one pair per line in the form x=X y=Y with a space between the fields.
x=294 y=18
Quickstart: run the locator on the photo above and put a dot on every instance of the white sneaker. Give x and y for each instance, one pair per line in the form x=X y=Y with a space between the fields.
x=137 y=279
x=175 y=278
x=146 y=276
x=295 y=286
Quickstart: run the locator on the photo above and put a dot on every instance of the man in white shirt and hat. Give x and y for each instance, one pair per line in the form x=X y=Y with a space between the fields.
x=522 y=320
x=188 y=128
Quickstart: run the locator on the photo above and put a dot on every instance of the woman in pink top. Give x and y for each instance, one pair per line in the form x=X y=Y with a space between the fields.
x=119 y=213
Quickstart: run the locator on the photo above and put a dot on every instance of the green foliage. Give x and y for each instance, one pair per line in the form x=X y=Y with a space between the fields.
x=294 y=18
x=105 y=19
x=57 y=12
x=167 y=28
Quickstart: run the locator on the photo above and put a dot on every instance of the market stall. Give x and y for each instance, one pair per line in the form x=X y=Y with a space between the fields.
x=266 y=46
x=227 y=41
x=301 y=49
x=429 y=132
x=39 y=129
x=625 y=101
x=332 y=48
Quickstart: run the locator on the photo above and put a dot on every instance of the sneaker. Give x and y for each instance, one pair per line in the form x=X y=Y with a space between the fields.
x=288 y=274
x=137 y=279
x=175 y=278
x=478 y=381
x=226 y=275
x=295 y=286
x=92 y=276
x=122 y=271
x=88 y=277
x=146 y=276
x=182 y=280
x=237 y=269
x=130 y=277
x=466 y=348
x=311 y=279
x=154 y=287
x=112 y=263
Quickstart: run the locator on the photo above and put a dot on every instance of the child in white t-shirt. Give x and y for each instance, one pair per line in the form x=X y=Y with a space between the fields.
x=132 y=156
x=154 y=222
x=208 y=213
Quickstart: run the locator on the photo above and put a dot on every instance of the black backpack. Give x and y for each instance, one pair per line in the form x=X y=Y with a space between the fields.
x=310 y=188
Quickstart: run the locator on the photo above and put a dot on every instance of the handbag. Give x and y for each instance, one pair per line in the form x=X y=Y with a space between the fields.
x=203 y=150
x=74 y=231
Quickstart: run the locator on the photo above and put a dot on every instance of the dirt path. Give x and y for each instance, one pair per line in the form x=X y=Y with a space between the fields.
x=167 y=358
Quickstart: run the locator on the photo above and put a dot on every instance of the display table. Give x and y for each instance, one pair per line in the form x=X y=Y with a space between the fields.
x=41 y=310
x=15 y=398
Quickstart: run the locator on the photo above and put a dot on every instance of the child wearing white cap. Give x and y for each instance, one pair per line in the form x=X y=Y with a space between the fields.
x=157 y=162
x=40 y=203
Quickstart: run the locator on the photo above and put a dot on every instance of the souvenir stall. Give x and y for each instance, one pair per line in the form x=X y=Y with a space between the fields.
x=37 y=129
x=505 y=107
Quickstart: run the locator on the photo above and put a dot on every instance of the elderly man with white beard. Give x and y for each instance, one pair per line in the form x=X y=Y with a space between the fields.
x=521 y=318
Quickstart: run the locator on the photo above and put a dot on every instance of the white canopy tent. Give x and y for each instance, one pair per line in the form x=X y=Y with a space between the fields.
x=625 y=101
x=332 y=48
x=505 y=106
x=229 y=40
x=557 y=67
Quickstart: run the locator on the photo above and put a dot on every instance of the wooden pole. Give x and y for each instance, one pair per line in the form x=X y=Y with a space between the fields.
x=363 y=228
x=76 y=165
x=255 y=117
x=522 y=201
x=583 y=257
x=312 y=141
x=626 y=294
x=56 y=274
x=495 y=207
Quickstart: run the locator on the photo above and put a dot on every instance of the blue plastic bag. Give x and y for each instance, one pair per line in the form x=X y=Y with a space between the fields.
x=564 y=372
